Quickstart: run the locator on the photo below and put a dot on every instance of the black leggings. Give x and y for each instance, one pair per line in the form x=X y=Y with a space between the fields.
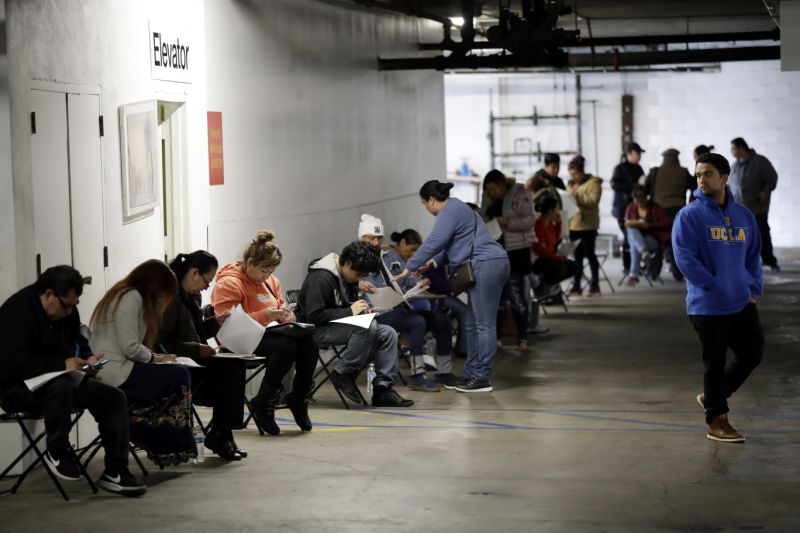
x=282 y=352
x=585 y=249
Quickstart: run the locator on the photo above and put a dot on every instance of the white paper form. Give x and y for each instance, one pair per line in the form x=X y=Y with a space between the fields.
x=240 y=333
x=385 y=298
x=419 y=288
x=361 y=321
x=567 y=248
x=36 y=382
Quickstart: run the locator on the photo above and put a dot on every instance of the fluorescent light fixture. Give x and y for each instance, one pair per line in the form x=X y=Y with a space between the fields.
x=457 y=21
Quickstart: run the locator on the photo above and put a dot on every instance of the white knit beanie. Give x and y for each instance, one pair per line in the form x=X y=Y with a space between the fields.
x=369 y=225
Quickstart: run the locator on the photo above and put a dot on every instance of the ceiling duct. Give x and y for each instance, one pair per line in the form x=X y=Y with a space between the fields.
x=533 y=36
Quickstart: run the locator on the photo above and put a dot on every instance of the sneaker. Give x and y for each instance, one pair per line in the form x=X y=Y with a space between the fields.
x=419 y=382
x=346 y=385
x=594 y=293
x=775 y=268
x=123 y=483
x=473 y=385
x=632 y=281
x=430 y=362
x=388 y=397
x=65 y=467
x=448 y=381
x=574 y=292
x=701 y=401
x=522 y=346
x=721 y=430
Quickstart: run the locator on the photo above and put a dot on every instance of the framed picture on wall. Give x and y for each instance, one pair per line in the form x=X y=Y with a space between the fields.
x=141 y=159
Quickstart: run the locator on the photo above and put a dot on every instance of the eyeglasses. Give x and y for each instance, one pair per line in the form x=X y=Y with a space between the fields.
x=65 y=305
x=206 y=282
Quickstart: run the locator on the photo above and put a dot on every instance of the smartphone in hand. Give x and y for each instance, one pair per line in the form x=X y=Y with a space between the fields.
x=98 y=364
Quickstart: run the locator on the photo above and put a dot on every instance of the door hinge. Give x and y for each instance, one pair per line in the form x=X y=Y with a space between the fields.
x=105 y=256
x=33 y=122
x=38 y=265
x=102 y=130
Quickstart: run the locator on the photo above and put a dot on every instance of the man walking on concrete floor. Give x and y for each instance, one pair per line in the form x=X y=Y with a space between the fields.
x=717 y=246
x=753 y=178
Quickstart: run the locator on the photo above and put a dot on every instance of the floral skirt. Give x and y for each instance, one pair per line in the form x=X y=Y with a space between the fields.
x=164 y=429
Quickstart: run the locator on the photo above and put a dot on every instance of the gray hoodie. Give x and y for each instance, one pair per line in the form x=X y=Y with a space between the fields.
x=324 y=295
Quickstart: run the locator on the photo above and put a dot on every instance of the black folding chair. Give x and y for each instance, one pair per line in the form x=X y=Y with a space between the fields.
x=93 y=447
x=33 y=445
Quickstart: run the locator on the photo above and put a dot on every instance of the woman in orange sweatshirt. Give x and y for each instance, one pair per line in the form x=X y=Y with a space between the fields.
x=251 y=284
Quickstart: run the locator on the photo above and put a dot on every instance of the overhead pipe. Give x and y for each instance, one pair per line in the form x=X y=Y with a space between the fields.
x=614 y=60
x=644 y=40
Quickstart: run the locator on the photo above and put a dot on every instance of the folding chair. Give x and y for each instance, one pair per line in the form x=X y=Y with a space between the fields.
x=33 y=445
x=325 y=368
x=93 y=447
x=607 y=241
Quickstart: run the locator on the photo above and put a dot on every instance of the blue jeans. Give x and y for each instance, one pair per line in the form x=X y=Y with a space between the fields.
x=639 y=242
x=378 y=343
x=484 y=300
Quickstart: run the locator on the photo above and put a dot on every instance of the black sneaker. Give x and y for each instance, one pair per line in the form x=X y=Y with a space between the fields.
x=388 y=397
x=65 y=467
x=346 y=385
x=122 y=483
x=474 y=385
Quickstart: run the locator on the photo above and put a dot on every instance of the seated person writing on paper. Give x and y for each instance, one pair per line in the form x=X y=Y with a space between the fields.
x=431 y=311
x=648 y=229
x=252 y=284
x=125 y=328
x=550 y=265
x=40 y=327
x=329 y=293
x=218 y=383
x=402 y=317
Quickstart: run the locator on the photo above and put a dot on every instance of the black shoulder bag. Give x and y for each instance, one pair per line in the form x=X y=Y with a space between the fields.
x=464 y=277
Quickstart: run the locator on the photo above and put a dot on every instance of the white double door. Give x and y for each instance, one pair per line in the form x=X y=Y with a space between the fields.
x=68 y=199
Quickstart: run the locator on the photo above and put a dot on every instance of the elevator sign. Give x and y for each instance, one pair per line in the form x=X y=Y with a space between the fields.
x=171 y=54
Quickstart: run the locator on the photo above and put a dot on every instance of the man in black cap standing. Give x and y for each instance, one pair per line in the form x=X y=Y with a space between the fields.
x=667 y=185
x=625 y=176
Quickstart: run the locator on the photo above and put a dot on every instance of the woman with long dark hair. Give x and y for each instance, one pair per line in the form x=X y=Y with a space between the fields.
x=184 y=331
x=125 y=327
x=460 y=236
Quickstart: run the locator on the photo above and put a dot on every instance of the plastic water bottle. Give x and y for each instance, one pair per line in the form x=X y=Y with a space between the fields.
x=199 y=440
x=464 y=169
x=370 y=376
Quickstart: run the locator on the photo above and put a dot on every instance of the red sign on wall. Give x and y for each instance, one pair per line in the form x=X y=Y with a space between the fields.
x=216 y=171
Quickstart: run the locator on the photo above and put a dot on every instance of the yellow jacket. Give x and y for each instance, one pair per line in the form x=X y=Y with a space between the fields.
x=587 y=196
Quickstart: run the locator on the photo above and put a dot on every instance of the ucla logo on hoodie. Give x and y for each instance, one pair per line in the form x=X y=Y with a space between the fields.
x=727 y=234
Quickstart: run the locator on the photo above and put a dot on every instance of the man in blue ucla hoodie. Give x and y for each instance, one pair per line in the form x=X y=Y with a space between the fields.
x=717 y=246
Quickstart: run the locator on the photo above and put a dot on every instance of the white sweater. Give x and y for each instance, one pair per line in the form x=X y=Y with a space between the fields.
x=120 y=336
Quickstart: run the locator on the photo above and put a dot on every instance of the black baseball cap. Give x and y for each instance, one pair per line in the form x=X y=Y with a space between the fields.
x=633 y=147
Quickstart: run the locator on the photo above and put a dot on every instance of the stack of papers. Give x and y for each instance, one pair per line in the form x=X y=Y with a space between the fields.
x=184 y=361
x=240 y=333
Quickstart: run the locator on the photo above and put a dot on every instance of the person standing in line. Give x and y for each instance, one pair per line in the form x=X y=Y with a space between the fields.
x=752 y=180
x=701 y=149
x=717 y=246
x=625 y=176
x=552 y=164
x=587 y=190
x=667 y=185
x=512 y=206
x=459 y=235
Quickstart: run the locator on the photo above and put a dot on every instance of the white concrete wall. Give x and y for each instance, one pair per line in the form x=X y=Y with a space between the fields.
x=8 y=266
x=106 y=44
x=753 y=100
x=313 y=133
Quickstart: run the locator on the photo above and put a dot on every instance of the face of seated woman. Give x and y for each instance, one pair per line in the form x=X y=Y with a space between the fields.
x=258 y=274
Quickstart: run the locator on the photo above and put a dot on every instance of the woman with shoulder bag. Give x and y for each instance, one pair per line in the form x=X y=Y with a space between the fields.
x=477 y=264
x=251 y=284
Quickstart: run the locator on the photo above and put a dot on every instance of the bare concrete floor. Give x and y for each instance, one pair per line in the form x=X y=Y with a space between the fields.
x=595 y=429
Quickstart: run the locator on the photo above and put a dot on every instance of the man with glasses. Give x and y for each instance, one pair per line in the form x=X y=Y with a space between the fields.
x=40 y=327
